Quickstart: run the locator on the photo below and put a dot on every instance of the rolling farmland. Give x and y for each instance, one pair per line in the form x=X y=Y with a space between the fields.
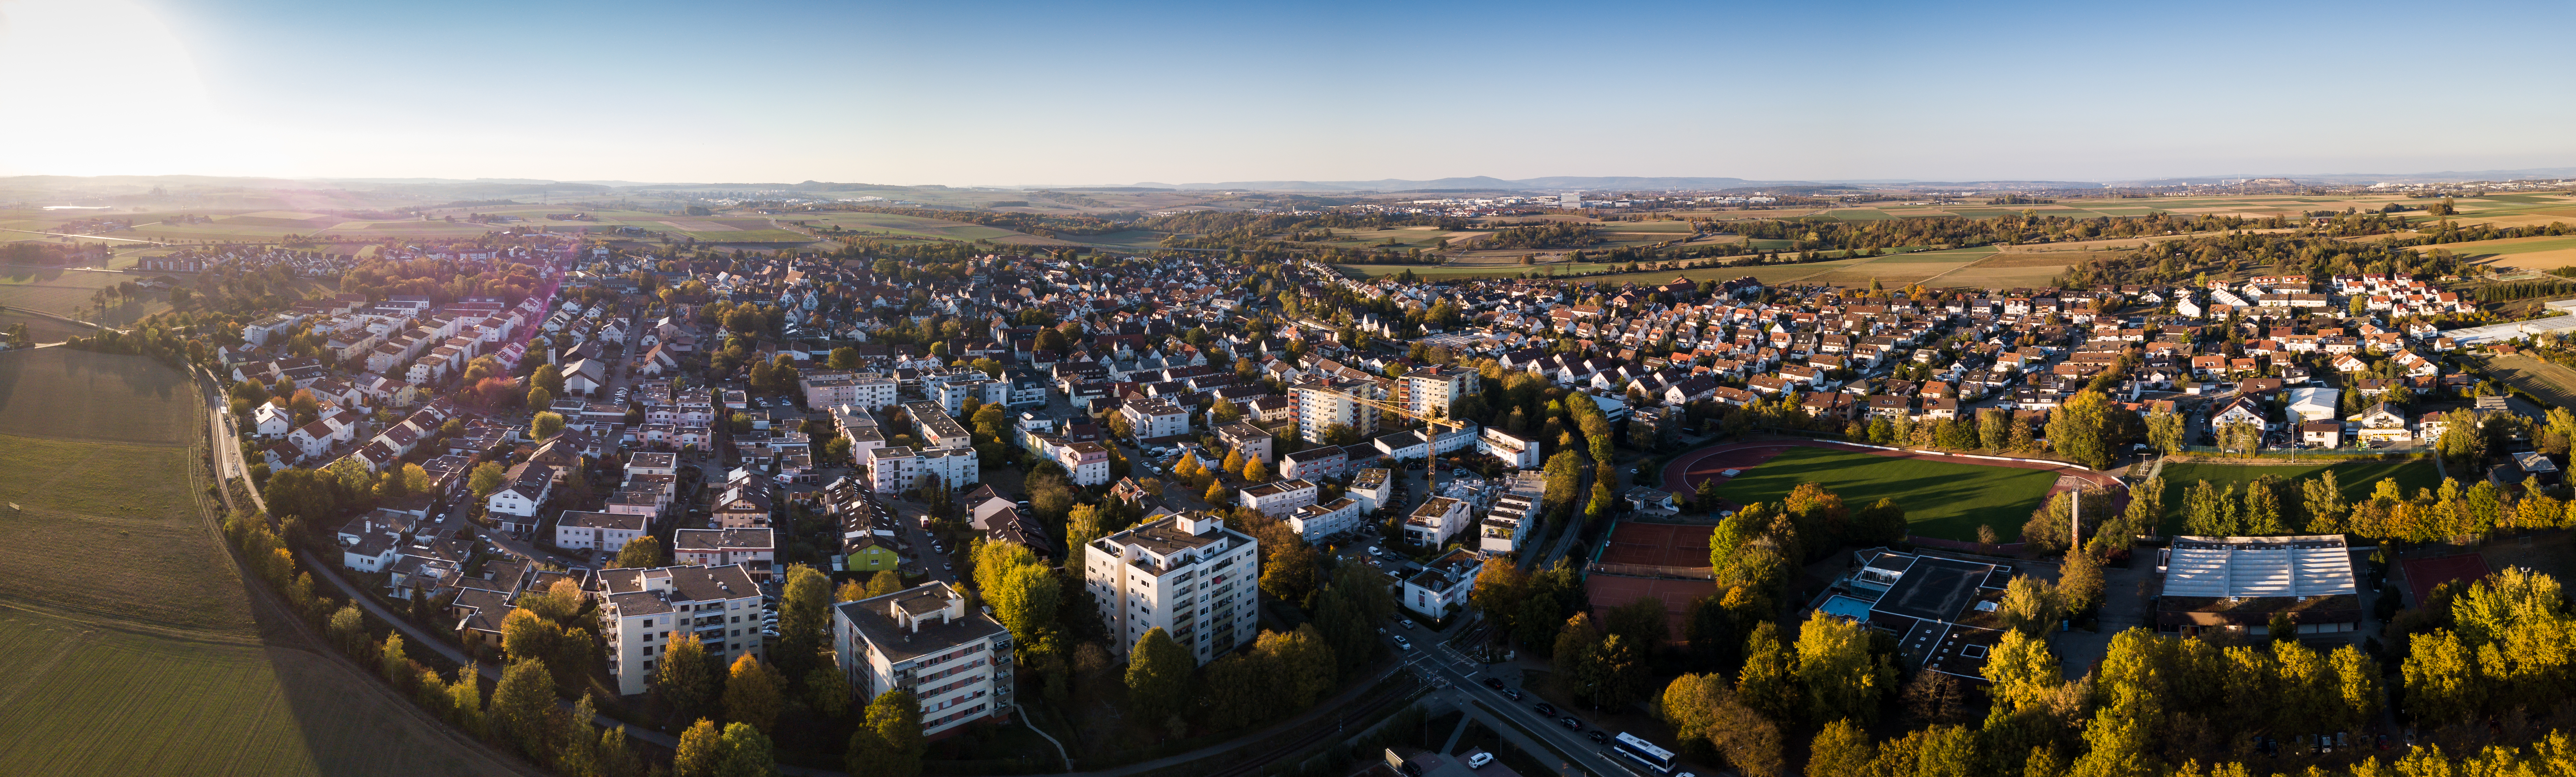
x=152 y=655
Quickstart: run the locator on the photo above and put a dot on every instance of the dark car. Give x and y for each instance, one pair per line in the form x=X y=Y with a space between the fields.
x=1597 y=737
x=1513 y=693
x=1495 y=683
x=1547 y=709
x=1571 y=723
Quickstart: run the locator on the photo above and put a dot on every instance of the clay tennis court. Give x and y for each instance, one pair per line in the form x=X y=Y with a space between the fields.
x=1609 y=591
x=1658 y=544
x=2422 y=574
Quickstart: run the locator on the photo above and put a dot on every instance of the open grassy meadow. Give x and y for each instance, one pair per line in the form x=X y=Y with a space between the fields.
x=2355 y=478
x=1941 y=499
x=129 y=642
x=67 y=292
x=2551 y=382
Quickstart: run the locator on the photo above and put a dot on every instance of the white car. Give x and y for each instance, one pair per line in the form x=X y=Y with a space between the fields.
x=1479 y=760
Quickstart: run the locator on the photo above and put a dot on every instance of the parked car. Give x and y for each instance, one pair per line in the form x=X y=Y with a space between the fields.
x=1401 y=643
x=1479 y=760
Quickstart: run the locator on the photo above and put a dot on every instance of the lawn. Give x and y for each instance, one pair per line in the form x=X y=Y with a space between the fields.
x=2356 y=478
x=1941 y=499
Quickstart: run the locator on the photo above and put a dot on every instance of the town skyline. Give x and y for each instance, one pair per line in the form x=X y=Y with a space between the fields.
x=1013 y=95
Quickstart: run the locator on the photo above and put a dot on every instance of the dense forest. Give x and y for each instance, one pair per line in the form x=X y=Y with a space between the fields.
x=1548 y=234
x=1039 y=224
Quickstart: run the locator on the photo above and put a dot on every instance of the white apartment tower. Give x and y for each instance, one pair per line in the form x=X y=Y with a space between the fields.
x=924 y=640
x=1187 y=575
x=1320 y=404
x=641 y=611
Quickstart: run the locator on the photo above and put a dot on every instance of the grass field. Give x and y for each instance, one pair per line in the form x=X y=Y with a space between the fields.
x=1941 y=499
x=2356 y=479
x=129 y=643
x=2527 y=253
x=2550 y=382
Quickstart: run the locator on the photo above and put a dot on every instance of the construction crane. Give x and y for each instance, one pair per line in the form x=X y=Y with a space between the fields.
x=1431 y=471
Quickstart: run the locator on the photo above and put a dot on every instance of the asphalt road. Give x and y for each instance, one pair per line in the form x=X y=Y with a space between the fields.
x=1464 y=676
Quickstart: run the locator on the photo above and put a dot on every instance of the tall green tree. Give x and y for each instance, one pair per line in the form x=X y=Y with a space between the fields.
x=1158 y=676
x=888 y=741
x=804 y=621
x=701 y=751
x=1843 y=680
x=753 y=693
x=2080 y=429
x=682 y=677
x=519 y=706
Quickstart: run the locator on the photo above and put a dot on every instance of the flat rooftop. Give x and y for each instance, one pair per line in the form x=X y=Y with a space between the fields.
x=1938 y=589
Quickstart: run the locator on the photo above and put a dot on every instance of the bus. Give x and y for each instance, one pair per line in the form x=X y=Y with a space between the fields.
x=1644 y=752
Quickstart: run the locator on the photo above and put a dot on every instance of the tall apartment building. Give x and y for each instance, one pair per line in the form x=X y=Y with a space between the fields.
x=1320 y=404
x=1430 y=390
x=642 y=610
x=925 y=640
x=1187 y=575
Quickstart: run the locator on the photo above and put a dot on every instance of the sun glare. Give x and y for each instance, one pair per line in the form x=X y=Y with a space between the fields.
x=106 y=87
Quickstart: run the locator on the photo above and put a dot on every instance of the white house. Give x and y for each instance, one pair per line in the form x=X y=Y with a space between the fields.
x=1279 y=498
x=598 y=531
x=1442 y=585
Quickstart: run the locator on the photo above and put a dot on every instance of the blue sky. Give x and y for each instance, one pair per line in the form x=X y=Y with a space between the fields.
x=1065 y=93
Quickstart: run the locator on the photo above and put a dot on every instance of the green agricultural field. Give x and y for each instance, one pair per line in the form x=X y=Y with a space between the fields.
x=91 y=699
x=67 y=293
x=147 y=653
x=2356 y=479
x=1941 y=499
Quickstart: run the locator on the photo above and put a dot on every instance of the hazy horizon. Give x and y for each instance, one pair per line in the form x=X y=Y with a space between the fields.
x=1015 y=95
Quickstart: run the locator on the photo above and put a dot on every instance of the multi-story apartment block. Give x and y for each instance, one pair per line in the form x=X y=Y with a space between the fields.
x=1321 y=404
x=925 y=640
x=1430 y=390
x=1435 y=522
x=641 y=611
x=1316 y=521
x=834 y=389
x=754 y=549
x=1149 y=419
x=1086 y=462
x=1187 y=575
x=1514 y=450
x=899 y=469
x=1515 y=510
x=936 y=429
x=600 y=531
x=1278 y=498
x=1373 y=488
x=1246 y=439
